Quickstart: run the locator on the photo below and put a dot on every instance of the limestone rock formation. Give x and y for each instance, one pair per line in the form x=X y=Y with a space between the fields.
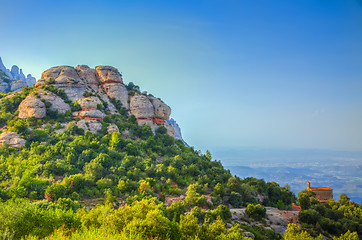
x=162 y=111
x=17 y=85
x=89 y=103
x=108 y=74
x=67 y=79
x=30 y=80
x=2 y=67
x=88 y=74
x=177 y=129
x=112 y=83
x=3 y=86
x=141 y=106
x=170 y=129
x=89 y=108
x=57 y=103
x=32 y=107
x=91 y=87
x=14 y=80
x=12 y=139
x=117 y=91
x=91 y=114
x=90 y=125
x=15 y=72
x=61 y=74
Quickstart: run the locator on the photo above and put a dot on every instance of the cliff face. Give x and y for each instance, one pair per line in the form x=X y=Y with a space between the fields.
x=177 y=129
x=98 y=92
x=14 y=80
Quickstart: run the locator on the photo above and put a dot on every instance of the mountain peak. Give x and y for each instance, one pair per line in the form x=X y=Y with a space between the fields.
x=17 y=79
x=97 y=93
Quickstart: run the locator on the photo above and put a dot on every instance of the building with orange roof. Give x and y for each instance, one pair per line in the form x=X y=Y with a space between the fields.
x=322 y=194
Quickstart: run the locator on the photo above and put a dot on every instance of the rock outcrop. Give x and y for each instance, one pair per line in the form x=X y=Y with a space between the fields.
x=89 y=125
x=141 y=106
x=95 y=90
x=88 y=74
x=149 y=107
x=32 y=107
x=88 y=114
x=65 y=78
x=12 y=139
x=177 y=129
x=14 y=80
x=34 y=104
x=108 y=74
x=89 y=103
x=17 y=85
x=57 y=103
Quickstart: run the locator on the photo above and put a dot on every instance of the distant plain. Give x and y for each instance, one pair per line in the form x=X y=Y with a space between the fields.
x=340 y=170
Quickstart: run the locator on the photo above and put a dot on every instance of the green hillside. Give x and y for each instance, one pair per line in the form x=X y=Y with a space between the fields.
x=54 y=182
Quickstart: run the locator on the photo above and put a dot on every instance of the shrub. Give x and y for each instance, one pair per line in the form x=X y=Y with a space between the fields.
x=256 y=211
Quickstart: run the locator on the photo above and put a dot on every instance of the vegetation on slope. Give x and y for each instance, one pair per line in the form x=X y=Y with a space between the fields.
x=332 y=218
x=41 y=184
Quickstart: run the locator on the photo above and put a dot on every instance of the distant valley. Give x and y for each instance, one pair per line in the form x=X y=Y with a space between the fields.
x=340 y=170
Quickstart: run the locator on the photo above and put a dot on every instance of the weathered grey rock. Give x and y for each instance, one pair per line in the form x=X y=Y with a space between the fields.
x=58 y=103
x=66 y=78
x=2 y=66
x=155 y=126
x=108 y=74
x=13 y=78
x=17 y=85
x=112 y=128
x=87 y=73
x=176 y=128
x=170 y=129
x=30 y=80
x=105 y=98
x=117 y=91
x=92 y=114
x=21 y=75
x=149 y=122
x=61 y=75
x=90 y=125
x=32 y=107
x=89 y=103
x=141 y=106
x=13 y=139
x=4 y=87
x=161 y=109
x=15 y=72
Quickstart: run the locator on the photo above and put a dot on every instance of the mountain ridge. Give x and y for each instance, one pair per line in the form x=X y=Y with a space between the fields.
x=14 y=80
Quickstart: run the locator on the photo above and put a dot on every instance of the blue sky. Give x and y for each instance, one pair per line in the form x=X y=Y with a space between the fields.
x=237 y=73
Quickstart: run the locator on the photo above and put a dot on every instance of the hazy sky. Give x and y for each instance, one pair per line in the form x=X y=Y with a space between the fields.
x=236 y=73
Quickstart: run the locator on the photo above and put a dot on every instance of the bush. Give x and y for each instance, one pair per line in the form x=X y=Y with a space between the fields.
x=309 y=216
x=236 y=200
x=256 y=212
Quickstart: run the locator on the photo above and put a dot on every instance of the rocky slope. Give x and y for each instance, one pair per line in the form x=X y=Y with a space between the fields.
x=97 y=93
x=14 y=80
x=177 y=128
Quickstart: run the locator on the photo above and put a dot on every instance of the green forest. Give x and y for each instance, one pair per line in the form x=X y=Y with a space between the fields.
x=70 y=184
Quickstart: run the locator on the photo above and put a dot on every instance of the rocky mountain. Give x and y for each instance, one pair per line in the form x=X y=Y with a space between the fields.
x=14 y=80
x=90 y=95
x=85 y=135
x=177 y=128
